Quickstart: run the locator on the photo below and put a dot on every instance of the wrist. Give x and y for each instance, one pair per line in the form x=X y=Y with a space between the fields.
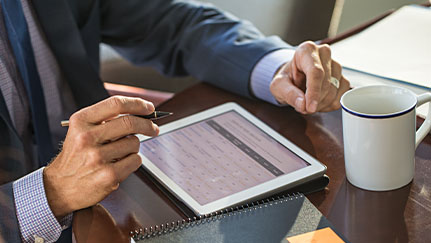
x=278 y=70
x=266 y=70
x=55 y=197
x=34 y=215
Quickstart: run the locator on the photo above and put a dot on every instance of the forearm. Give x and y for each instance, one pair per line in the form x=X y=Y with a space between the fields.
x=191 y=38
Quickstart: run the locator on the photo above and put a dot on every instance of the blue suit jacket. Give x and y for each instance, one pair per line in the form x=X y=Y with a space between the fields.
x=175 y=37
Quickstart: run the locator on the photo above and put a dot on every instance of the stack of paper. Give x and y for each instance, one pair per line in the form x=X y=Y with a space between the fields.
x=395 y=50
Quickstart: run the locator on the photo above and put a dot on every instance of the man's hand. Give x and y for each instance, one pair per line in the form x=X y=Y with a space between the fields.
x=304 y=83
x=98 y=153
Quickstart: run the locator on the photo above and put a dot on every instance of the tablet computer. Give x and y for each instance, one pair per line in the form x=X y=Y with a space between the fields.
x=223 y=157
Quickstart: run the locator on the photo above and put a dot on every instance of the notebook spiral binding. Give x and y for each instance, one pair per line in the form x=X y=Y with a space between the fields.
x=146 y=233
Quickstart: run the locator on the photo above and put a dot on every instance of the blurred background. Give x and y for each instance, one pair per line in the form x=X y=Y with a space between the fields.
x=293 y=20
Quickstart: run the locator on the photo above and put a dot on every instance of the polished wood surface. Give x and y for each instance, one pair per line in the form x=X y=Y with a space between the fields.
x=402 y=215
x=157 y=97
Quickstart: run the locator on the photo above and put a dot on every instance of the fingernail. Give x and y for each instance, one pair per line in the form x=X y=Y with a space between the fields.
x=298 y=103
x=150 y=106
x=313 y=106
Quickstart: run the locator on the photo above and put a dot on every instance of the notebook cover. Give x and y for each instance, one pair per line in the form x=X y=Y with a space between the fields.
x=271 y=221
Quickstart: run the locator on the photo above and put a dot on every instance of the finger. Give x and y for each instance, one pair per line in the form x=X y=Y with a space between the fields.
x=124 y=167
x=125 y=125
x=115 y=106
x=308 y=62
x=332 y=69
x=286 y=92
x=325 y=59
x=344 y=87
x=336 y=69
x=121 y=148
x=328 y=90
x=331 y=100
x=296 y=76
x=336 y=73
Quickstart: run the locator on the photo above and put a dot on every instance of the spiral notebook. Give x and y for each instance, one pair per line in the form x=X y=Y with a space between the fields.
x=285 y=219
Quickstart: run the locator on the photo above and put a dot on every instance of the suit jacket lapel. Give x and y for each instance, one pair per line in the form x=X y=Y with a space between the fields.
x=12 y=163
x=4 y=112
x=65 y=41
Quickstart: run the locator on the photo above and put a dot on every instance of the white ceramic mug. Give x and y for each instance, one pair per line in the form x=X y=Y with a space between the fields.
x=380 y=137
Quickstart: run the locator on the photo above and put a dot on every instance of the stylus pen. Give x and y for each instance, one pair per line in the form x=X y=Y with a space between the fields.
x=153 y=116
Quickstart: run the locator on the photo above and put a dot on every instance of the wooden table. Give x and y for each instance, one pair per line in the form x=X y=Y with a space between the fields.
x=402 y=215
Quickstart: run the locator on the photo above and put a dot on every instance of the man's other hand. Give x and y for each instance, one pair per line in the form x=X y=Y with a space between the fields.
x=305 y=81
x=99 y=152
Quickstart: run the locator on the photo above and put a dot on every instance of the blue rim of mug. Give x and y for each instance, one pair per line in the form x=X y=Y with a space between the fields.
x=379 y=116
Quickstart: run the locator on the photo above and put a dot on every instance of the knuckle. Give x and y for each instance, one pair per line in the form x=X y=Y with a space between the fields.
x=308 y=46
x=111 y=179
x=117 y=102
x=127 y=123
x=336 y=105
x=84 y=138
x=95 y=156
x=75 y=118
x=325 y=49
x=318 y=71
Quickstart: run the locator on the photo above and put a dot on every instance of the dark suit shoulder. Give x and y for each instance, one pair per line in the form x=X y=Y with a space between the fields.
x=82 y=10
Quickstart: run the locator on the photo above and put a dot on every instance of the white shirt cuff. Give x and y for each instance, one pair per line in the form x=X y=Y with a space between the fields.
x=35 y=217
x=264 y=71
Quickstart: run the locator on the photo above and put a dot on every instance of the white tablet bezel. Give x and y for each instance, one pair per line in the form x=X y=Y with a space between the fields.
x=280 y=183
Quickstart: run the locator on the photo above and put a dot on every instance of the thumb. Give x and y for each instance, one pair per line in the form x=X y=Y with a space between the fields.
x=285 y=92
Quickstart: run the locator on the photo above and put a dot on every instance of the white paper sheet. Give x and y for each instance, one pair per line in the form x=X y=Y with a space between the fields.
x=397 y=47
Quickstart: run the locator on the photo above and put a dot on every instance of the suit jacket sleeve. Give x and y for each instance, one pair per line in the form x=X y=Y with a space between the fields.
x=185 y=37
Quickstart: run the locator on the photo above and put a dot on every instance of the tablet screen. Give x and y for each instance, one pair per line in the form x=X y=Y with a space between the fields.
x=219 y=156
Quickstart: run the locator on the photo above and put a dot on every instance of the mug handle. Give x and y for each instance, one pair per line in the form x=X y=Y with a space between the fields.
x=426 y=126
